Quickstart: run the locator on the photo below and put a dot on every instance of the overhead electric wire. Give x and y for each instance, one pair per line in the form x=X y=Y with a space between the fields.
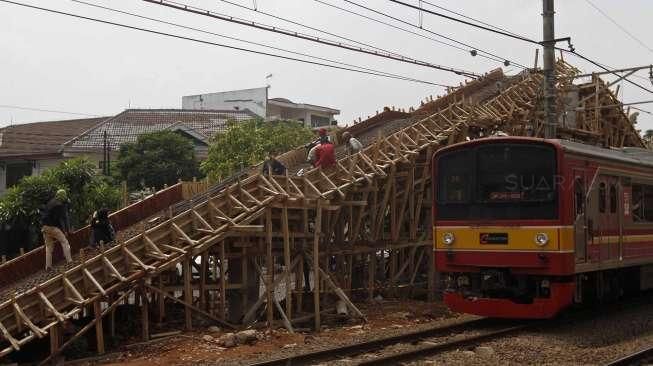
x=467 y=50
x=523 y=39
x=146 y=30
x=45 y=110
x=247 y=41
x=308 y=27
x=432 y=32
x=605 y=68
x=468 y=17
x=515 y=36
x=632 y=36
x=231 y=19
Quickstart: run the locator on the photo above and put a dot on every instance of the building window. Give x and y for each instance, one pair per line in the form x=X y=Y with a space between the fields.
x=319 y=121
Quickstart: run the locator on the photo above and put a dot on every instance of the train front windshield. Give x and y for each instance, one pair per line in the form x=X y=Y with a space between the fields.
x=503 y=181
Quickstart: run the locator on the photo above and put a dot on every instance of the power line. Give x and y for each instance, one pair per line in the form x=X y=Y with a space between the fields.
x=470 y=18
x=466 y=50
x=231 y=19
x=632 y=36
x=308 y=26
x=474 y=49
x=511 y=35
x=45 y=110
x=247 y=41
x=595 y=63
x=204 y=41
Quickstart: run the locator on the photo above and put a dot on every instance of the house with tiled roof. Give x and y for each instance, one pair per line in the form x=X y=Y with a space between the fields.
x=125 y=127
x=31 y=148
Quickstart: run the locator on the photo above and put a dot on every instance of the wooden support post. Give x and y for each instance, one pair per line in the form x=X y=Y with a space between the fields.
x=223 y=281
x=56 y=336
x=316 y=265
x=188 y=292
x=269 y=267
x=371 y=275
x=145 y=313
x=286 y=260
x=203 y=271
x=99 y=333
x=161 y=300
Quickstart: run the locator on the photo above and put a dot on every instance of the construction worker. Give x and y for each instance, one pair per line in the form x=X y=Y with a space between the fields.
x=352 y=143
x=313 y=146
x=325 y=155
x=101 y=229
x=272 y=166
x=56 y=224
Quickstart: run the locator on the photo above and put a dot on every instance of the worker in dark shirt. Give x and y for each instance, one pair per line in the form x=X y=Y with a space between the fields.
x=56 y=224
x=272 y=166
x=101 y=228
x=325 y=155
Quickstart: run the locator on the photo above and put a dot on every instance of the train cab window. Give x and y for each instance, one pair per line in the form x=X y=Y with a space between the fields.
x=579 y=197
x=613 y=199
x=602 y=197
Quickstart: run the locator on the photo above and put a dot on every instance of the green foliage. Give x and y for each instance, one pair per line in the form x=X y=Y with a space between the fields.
x=156 y=159
x=86 y=191
x=246 y=143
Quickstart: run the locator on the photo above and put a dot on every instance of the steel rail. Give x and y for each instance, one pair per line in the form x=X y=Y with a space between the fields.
x=636 y=358
x=369 y=346
x=419 y=352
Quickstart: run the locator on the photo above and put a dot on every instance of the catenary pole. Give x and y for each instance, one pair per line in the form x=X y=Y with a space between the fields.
x=549 y=68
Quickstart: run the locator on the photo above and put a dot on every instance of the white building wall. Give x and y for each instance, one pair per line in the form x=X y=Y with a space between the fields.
x=253 y=99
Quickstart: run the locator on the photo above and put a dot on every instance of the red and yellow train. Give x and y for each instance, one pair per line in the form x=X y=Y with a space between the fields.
x=525 y=227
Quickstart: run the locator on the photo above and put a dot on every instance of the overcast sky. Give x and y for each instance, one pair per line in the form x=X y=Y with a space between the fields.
x=56 y=62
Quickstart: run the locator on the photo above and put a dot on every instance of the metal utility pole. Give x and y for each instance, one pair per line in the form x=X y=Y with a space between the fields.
x=548 y=57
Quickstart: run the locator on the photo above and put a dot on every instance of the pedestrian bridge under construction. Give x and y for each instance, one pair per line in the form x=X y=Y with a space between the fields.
x=286 y=249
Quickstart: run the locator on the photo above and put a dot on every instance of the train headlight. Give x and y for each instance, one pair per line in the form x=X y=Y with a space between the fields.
x=448 y=238
x=541 y=239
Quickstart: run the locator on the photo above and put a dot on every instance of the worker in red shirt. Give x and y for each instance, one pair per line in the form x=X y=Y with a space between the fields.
x=325 y=155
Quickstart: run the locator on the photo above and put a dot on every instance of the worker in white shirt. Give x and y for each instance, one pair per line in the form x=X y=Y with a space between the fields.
x=353 y=145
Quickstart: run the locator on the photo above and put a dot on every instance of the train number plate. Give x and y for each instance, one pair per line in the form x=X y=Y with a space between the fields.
x=494 y=238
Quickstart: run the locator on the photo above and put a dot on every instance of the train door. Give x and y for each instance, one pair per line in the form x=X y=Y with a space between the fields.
x=611 y=220
x=580 y=223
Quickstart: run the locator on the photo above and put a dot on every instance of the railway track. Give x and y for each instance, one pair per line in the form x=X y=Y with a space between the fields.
x=419 y=344
x=641 y=357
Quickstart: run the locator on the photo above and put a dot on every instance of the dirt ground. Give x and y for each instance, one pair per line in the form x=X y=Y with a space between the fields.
x=385 y=318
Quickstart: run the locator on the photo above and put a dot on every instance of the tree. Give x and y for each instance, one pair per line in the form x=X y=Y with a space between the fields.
x=19 y=208
x=246 y=143
x=157 y=159
x=648 y=136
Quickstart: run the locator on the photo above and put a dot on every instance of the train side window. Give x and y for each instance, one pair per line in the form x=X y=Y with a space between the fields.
x=613 y=199
x=579 y=197
x=637 y=206
x=602 y=197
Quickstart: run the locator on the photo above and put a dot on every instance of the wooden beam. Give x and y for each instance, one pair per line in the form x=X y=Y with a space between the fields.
x=191 y=306
x=40 y=333
x=94 y=281
x=48 y=305
x=316 y=265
